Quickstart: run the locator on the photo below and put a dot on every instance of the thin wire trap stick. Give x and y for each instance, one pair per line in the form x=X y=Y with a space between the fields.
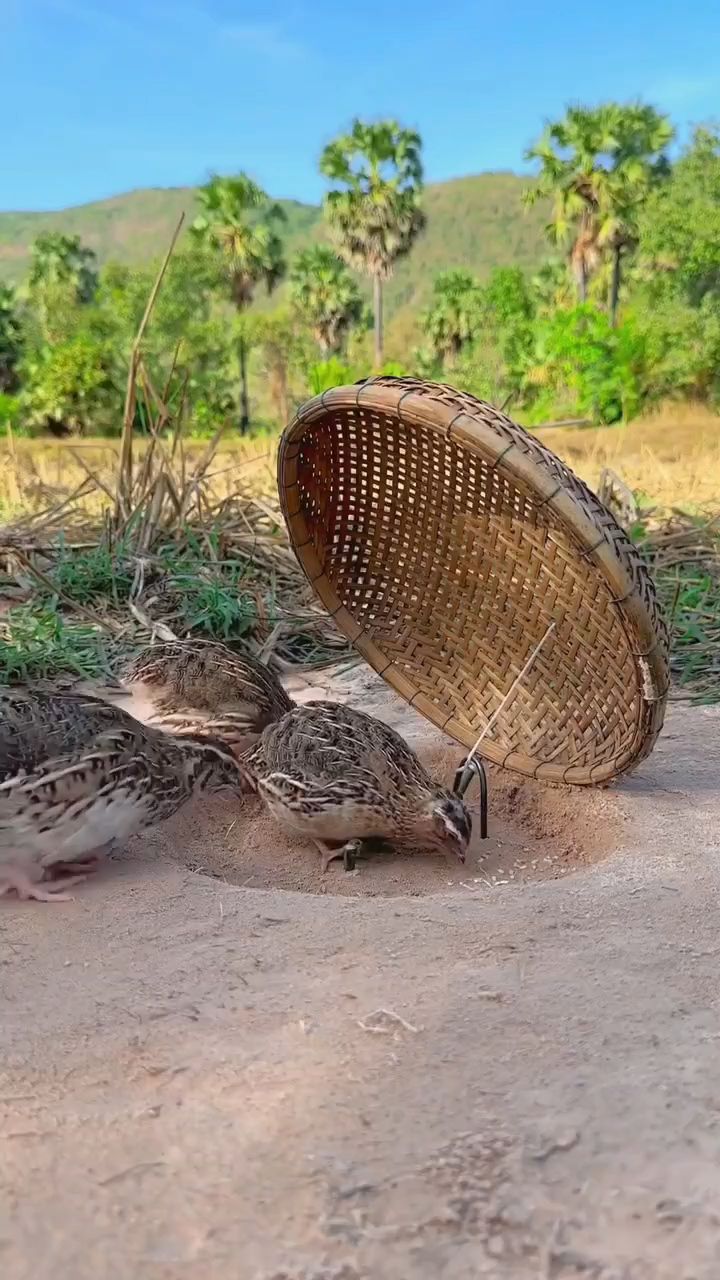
x=472 y=764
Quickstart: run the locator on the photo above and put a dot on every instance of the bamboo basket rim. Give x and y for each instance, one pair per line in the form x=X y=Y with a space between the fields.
x=480 y=430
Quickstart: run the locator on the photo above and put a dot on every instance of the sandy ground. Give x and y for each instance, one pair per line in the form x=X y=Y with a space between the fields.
x=219 y=1064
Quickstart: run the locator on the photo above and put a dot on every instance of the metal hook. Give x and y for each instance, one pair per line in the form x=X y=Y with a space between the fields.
x=473 y=766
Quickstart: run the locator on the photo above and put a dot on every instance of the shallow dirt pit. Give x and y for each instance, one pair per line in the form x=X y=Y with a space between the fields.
x=534 y=832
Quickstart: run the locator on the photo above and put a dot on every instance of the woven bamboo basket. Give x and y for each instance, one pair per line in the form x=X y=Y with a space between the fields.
x=445 y=540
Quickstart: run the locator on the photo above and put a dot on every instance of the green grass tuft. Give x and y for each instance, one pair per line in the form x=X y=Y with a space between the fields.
x=216 y=606
x=97 y=573
x=37 y=643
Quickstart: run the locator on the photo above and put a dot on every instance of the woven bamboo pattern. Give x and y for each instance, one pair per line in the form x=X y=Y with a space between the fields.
x=444 y=539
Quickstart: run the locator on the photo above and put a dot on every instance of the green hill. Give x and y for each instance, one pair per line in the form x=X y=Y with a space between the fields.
x=476 y=222
x=134 y=228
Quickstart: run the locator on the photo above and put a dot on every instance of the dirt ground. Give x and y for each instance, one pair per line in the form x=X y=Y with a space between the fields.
x=219 y=1064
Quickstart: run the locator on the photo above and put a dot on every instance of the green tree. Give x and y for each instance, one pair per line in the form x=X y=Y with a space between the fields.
x=281 y=349
x=552 y=286
x=676 y=299
x=57 y=259
x=481 y=370
x=509 y=315
x=508 y=294
x=374 y=213
x=187 y=295
x=207 y=363
x=492 y=360
x=454 y=315
x=241 y=225
x=682 y=344
x=325 y=295
x=10 y=341
x=189 y=330
x=679 y=225
x=63 y=276
x=72 y=386
x=597 y=165
x=326 y=374
x=582 y=365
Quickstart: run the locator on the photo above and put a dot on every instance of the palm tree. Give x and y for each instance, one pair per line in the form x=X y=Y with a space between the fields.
x=239 y=223
x=641 y=136
x=453 y=318
x=374 y=214
x=597 y=165
x=325 y=294
x=568 y=152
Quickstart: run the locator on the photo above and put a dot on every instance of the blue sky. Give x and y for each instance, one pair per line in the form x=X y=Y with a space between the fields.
x=108 y=95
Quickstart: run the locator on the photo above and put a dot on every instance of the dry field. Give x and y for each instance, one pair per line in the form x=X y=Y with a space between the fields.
x=671 y=459
x=34 y=474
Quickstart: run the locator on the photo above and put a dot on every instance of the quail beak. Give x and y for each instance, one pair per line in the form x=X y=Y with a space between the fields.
x=456 y=845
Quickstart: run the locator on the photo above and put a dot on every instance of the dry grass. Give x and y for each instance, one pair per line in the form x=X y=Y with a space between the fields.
x=160 y=555
x=672 y=459
x=166 y=541
x=36 y=474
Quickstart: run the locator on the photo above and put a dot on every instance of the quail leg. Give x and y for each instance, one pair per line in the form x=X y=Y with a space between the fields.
x=92 y=861
x=84 y=866
x=349 y=851
x=13 y=877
